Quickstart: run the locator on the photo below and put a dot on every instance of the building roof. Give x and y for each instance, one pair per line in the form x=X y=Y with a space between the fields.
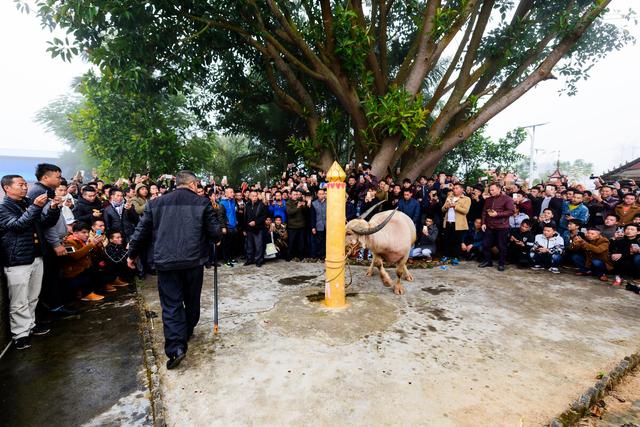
x=630 y=170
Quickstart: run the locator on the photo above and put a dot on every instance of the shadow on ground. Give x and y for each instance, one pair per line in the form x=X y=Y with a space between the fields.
x=87 y=371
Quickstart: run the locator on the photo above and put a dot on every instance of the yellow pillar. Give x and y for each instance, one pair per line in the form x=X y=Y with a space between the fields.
x=334 y=296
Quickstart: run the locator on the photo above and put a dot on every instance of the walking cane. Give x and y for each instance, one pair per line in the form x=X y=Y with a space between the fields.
x=215 y=290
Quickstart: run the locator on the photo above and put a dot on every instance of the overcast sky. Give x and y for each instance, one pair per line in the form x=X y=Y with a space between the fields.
x=599 y=124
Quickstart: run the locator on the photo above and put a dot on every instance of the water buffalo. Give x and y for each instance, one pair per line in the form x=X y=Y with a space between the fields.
x=389 y=235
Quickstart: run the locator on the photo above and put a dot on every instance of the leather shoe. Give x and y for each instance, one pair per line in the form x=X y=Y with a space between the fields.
x=485 y=264
x=258 y=264
x=175 y=360
x=501 y=268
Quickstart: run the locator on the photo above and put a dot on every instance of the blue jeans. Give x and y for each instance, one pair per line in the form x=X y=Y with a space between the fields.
x=597 y=266
x=546 y=260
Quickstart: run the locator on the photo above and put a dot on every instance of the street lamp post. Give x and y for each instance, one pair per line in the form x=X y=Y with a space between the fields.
x=532 y=150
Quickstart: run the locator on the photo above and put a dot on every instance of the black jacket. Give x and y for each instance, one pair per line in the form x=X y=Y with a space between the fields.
x=83 y=210
x=179 y=226
x=255 y=212
x=126 y=223
x=19 y=220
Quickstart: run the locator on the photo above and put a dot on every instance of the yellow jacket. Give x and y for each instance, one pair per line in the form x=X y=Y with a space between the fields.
x=462 y=208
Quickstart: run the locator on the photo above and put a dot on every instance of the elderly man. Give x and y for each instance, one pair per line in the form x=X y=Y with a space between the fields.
x=178 y=227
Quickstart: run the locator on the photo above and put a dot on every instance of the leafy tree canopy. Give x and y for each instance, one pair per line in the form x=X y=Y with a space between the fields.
x=396 y=82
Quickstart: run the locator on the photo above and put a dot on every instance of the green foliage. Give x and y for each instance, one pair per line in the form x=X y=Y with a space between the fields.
x=397 y=112
x=478 y=153
x=135 y=132
x=352 y=42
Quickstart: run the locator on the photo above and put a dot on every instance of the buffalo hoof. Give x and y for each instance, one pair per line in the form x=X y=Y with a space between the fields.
x=369 y=273
x=408 y=277
x=398 y=289
x=387 y=283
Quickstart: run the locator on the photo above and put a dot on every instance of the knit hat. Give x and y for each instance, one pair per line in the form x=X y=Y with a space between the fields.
x=139 y=186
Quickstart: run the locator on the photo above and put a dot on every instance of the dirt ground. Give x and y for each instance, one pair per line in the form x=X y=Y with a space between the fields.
x=463 y=347
x=621 y=406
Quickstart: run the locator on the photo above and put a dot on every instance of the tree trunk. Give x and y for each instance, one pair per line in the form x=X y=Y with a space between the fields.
x=384 y=156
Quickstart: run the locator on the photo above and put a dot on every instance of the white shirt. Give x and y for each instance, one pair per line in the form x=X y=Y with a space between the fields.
x=451 y=213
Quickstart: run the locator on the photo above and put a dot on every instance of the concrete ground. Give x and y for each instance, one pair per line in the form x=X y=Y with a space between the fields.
x=87 y=371
x=463 y=347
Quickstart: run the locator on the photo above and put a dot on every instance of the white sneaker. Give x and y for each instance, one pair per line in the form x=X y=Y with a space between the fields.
x=554 y=270
x=537 y=267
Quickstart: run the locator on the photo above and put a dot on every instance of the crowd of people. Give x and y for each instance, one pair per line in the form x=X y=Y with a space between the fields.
x=68 y=240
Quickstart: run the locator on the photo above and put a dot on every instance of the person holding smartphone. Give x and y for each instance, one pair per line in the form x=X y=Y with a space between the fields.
x=495 y=224
x=625 y=254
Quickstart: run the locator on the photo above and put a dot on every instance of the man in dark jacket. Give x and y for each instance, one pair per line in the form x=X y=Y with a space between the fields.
x=178 y=226
x=22 y=246
x=87 y=207
x=410 y=206
x=495 y=224
x=52 y=296
x=296 y=223
x=120 y=215
x=254 y=215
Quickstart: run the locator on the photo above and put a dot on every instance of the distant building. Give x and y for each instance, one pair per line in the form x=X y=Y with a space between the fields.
x=23 y=162
x=629 y=170
x=557 y=177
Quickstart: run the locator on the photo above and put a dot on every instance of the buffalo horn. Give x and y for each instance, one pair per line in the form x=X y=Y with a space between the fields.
x=371 y=209
x=370 y=230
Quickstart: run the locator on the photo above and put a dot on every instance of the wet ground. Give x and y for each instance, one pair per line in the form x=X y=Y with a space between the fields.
x=87 y=371
x=462 y=347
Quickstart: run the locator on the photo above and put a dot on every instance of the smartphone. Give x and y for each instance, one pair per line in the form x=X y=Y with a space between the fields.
x=98 y=232
x=69 y=249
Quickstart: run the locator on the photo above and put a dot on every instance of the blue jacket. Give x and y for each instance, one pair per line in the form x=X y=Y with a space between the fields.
x=581 y=213
x=411 y=208
x=230 y=207
x=276 y=210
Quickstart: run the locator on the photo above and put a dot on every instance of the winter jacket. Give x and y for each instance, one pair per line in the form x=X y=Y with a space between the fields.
x=525 y=237
x=83 y=210
x=626 y=217
x=139 y=202
x=555 y=243
x=597 y=249
x=55 y=233
x=526 y=207
x=623 y=247
x=295 y=215
x=178 y=227
x=319 y=215
x=279 y=209
x=503 y=205
x=580 y=213
x=255 y=212
x=428 y=240
x=461 y=210
x=75 y=263
x=231 y=210
x=126 y=223
x=411 y=208
x=221 y=213
x=116 y=255
x=474 y=237
x=21 y=230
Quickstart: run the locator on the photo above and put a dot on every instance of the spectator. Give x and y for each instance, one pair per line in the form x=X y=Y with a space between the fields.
x=278 y=207
x=550 y=201
x=521 y=241
x=409 y=206
x=594 y=258
x=547 y=250
x=255 y=215
x=522 y=202
x=516 y=219
x=140 y=200
x=178 y=227
x=22 y=222
x=116 y=258
x=426 y=242
x=231 y=236
x=610 y=226
x=120 y=215
x=574 y=210
x=319 y=223
x=472 y=242
x=88 y=206
x=281 y=236
x=455 y=211
x=296 y=224
x=627 y=210
x=495 y=223
x=625 y=254
x=77 y=267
